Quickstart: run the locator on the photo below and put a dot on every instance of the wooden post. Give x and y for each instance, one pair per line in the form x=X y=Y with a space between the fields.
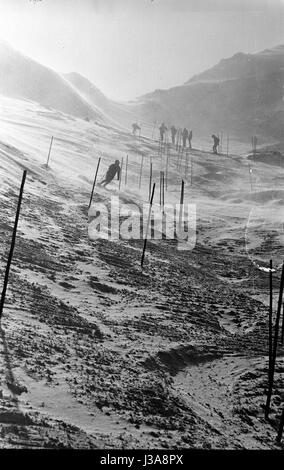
x=275 y=343
x=177 y=139
x=6 y=278
x=120 y=174
x=163 y=190
x=282 y=332
x=250 y=177
x=270 y=316
x=94 y=183
x=280 y=429
x=141 y=169
x=126 y=169
x=167 y=167
x=160 y=188
x=147 y=227
x=191 y=171
x=150 y=179
x=186 y=165
x=181 y=202
x=49 y=151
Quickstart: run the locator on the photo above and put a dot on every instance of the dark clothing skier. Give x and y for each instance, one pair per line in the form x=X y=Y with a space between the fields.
x=173 y=132
x=163 y=129
x=184 y=136
x=189 y=139
x=216 y=143
x=135 y=128
x=113 y=169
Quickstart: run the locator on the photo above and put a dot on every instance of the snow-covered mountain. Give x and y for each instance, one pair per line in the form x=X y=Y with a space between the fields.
x=21 y=77
x=242 y=94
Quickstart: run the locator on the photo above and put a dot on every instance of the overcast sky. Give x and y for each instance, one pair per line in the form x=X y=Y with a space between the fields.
x=131 y=47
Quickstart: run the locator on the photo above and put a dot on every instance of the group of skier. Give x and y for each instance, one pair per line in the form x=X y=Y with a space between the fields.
x=185 y=134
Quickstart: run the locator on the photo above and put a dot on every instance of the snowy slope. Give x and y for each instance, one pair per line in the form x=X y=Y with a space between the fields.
x=122 y=114
x=96 y=352
x=24 y=78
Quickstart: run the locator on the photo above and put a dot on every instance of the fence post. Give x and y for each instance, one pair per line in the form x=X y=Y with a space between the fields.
x=6 y=278
x=49 y=151
x=150 y=179
x=94 y=183
x=147 y=227
x=275 y=343
x=126 y=169
x=270 y=317
x=120 y=174
x=280 y=429
x=181 y=202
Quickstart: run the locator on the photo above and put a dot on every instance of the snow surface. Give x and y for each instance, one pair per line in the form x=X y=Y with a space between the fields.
x=104 y=354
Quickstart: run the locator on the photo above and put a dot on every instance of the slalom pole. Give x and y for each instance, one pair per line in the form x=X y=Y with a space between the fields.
x=186 y=165
x=150 y=179
x=94 y=183
x=250 y=177
x=10 y=256
x=160 y=188
x=51 y=141
x=147 y=227
x=126 y=169
x=221 y=142
x=275 y=343
x=191 y=171
x=181 y=158
x=163 y=190
x=270 y=319
x=120 y=174
x=280 y=429
x=181 y=202
x=167 y=167
x=141 y=169
x=282 y=332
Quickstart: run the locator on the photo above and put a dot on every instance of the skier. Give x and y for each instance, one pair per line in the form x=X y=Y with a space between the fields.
x=113 y=169
x=162 y=129
x=135 y=128
x=216 y=143
x=184 y=136
x=189 y=139
x=173 y=132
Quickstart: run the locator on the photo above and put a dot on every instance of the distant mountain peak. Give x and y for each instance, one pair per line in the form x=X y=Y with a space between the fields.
x=242 y=65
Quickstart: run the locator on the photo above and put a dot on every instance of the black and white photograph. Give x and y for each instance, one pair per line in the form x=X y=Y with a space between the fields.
x=142 y=228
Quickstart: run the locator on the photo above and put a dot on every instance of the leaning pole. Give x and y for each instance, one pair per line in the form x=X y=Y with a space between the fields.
x=6 y=278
